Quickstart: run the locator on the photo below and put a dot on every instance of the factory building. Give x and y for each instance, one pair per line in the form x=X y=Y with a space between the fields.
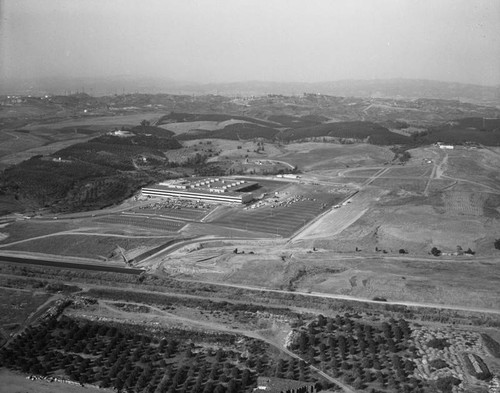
x=210 y=190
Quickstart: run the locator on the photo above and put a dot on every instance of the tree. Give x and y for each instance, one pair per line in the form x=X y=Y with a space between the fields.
x=497 y=244
x=435 y=251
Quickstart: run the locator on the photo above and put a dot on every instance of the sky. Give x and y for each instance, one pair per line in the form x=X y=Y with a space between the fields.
x=246 y=40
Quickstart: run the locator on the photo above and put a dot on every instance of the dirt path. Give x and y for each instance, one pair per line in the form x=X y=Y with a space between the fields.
x=437 y=172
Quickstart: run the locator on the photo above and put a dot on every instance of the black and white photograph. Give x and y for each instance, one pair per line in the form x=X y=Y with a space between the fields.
x=250 y=196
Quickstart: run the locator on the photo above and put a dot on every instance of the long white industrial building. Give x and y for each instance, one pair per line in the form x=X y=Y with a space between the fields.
x=213 y=190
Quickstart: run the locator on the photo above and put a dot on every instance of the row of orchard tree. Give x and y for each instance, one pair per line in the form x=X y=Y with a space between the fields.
x=361 y=353
x=110 y=356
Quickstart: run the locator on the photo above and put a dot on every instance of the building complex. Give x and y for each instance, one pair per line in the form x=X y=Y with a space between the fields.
x=226 y=190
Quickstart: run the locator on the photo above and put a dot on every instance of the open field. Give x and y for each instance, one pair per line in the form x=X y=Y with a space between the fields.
x=313 y=156
x=414 y=185
x=205 y=125
x=40 y=149
x=417 y=228
x=425 y=279
x=99 y=121
x=408 y=171
x=27 y=229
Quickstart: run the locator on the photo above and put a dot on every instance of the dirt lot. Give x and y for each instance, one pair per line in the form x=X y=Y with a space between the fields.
x=279 y=266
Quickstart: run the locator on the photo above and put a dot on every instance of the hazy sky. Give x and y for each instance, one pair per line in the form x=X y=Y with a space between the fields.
x=240 y=40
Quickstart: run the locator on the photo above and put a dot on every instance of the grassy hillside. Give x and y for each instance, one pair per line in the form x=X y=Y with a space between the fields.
x=298 y=121
x=472 y=129
x=94 y=174
x=174 y=117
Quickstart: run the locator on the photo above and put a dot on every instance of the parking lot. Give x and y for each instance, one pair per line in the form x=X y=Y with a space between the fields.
x=146 y=222
x=281 y=219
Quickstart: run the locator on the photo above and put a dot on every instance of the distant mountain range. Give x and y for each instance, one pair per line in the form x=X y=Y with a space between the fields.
x=378 y=88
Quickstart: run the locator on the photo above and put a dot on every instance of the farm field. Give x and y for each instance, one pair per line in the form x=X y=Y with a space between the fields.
x=466 y=203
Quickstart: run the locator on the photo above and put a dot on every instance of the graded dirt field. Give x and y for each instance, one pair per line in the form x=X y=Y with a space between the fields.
x=396 y=278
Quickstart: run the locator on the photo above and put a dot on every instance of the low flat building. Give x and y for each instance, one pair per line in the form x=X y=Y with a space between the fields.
x=210 y=190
